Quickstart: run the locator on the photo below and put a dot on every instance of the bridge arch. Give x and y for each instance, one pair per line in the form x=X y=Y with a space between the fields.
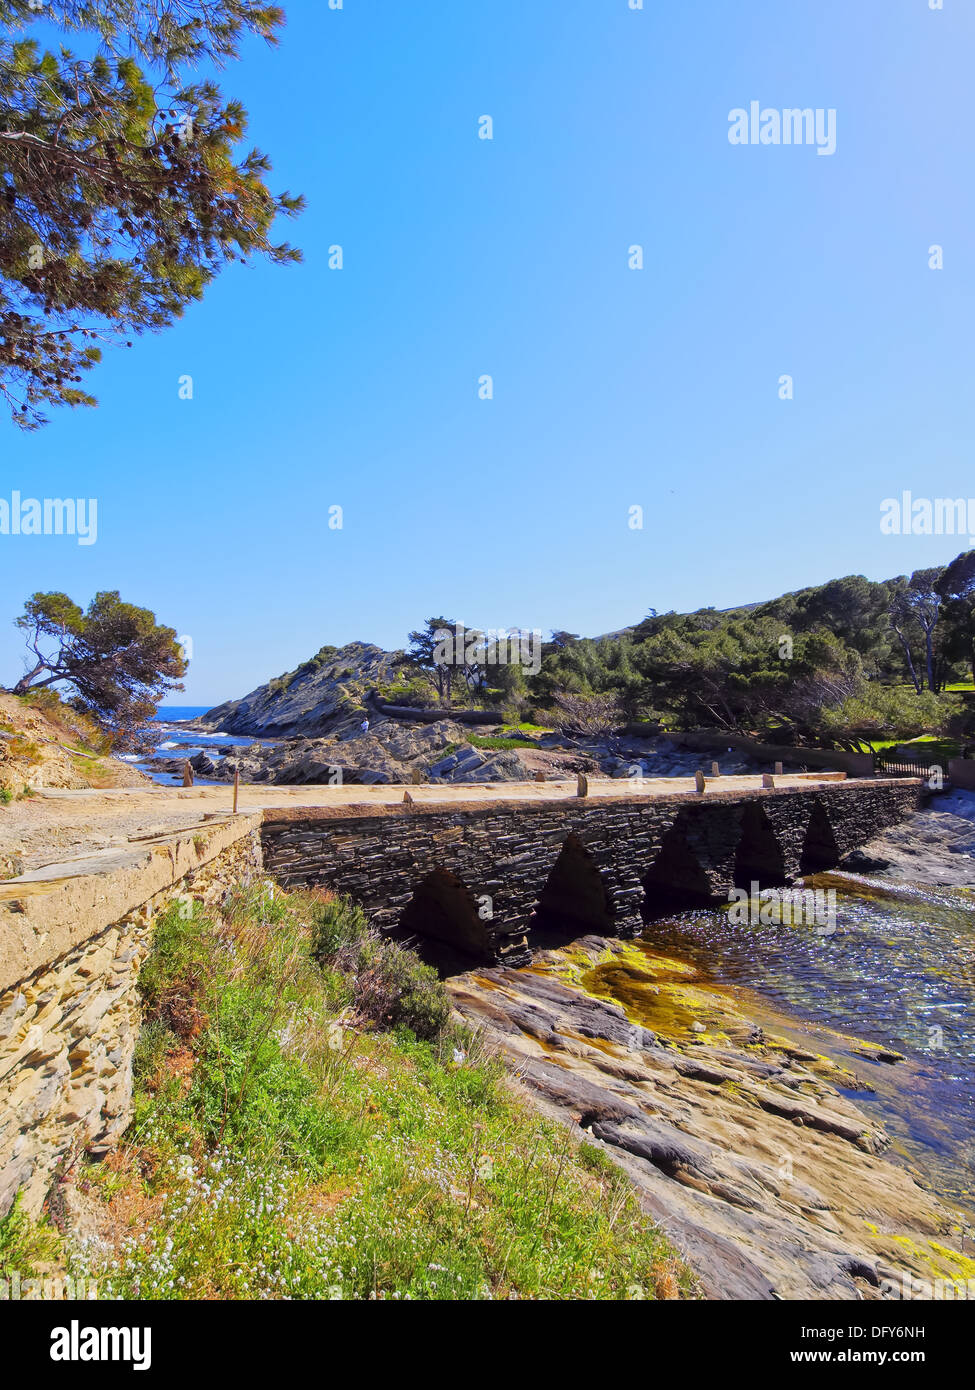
x=677 y=875
x=759 y=854
x=819 y=847
x=575 y=891
x=443 y=909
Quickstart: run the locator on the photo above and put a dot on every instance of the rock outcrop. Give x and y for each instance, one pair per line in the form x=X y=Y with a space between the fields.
x=387 y=753
x=326 y=695
x=770 y=1181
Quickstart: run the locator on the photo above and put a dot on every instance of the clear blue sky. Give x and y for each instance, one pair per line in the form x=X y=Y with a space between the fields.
x=613 y=387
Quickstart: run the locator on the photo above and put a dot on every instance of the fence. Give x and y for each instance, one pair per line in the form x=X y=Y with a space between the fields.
x=899 y=766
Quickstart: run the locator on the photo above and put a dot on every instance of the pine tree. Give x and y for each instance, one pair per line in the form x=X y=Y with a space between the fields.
x=121 y=196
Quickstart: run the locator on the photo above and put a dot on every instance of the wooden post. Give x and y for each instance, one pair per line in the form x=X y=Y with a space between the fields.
x=236 y=788
x=767 y=780
x=582 y=785
x=187 y=774
x=539 y=776
x=778 y=769
x=699 y=781
x=715 y=770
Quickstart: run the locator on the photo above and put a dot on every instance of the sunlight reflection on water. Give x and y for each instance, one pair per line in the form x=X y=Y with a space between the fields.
x=899 y=971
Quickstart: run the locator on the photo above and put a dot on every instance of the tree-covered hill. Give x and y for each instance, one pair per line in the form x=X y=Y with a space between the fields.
x=839 y=663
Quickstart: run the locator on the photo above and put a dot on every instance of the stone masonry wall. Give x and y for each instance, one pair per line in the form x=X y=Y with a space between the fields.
x=68 y=1033
x=504 y=852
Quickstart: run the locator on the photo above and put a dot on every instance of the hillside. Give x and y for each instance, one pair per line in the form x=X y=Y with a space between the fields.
x=45 y=743
x=322 y=696
x=834 y=665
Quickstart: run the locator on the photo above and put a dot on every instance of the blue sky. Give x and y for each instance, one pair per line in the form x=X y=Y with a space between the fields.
x=613 y=388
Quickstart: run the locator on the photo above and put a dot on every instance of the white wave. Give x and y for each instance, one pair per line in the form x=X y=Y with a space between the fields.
x=171 y=743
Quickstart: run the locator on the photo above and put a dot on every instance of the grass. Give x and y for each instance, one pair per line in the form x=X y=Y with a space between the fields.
x=293 y=1138
x=493 y=741
x=931 y=746
x=71 y=722
x=25 y=1245
x=22 y=749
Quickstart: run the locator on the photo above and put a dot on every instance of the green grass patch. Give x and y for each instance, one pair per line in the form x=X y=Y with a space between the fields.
x=497 y=742
x=25 y=1244
x=931 y=747
x=293 y=1137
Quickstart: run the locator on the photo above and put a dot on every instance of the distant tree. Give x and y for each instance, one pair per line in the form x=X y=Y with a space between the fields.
x=956 y=587
x=918 y=607
x=115 y=658
x=425 y=654
x=121 y=194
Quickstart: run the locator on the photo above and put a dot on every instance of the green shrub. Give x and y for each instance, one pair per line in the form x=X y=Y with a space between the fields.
x=393 y=988
x=6 y=796
x=336 y=924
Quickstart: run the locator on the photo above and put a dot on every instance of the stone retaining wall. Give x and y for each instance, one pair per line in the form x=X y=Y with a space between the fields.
x=68 y=1032
x=855 y=764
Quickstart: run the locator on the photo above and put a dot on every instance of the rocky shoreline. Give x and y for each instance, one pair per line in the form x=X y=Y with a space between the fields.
x=738 y=1140
x=935 y=847
x=308 y=729
x=391 y=752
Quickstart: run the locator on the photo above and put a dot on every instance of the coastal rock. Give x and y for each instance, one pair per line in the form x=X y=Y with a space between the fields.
x=387 y=753
x=770 y=1181
x=325 y=695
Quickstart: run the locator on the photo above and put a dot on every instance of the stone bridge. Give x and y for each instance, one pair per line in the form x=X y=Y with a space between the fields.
x=477 y=873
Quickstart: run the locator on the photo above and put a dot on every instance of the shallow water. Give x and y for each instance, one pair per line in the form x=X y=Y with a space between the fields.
x=898 y=971
x=176 y=742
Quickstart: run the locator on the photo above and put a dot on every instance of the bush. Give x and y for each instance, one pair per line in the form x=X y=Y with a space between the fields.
x=390 y=986
x=24 y=1244
x=887 y=712
x=337 y=924
x=393 y=987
